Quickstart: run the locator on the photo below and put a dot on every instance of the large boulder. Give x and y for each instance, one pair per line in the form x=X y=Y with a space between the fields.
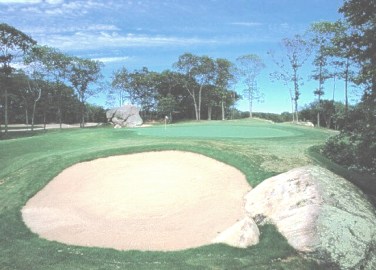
x=125 y=116
x=320 y=214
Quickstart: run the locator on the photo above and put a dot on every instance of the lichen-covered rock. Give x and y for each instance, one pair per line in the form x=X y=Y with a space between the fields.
x=242 y=234
x=125 y=116
x=320 y=214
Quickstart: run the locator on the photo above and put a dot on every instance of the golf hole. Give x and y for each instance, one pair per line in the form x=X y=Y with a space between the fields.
x=168 y=200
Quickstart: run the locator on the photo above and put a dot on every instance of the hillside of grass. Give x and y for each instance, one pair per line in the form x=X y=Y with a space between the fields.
x=259 y=149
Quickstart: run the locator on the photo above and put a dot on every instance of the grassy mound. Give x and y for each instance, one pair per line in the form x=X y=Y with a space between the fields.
x=28 y=164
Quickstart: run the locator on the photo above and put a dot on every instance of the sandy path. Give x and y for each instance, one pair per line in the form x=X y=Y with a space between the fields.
x=166 y=200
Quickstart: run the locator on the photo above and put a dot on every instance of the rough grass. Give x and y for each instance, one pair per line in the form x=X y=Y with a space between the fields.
x=28 y=164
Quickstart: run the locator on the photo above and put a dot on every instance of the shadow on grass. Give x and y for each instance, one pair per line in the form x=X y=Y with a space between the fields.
x=20 y=134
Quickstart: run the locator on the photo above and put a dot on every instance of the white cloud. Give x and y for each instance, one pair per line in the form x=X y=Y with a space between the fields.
x=247 y=24
x=31 y=9
x=20 y=1
x=83 y=40
x=54 y=2
x=112 y=59
x=51 y=2
x=68 y=28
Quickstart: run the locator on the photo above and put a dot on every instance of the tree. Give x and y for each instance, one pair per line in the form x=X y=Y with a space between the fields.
x=25 y=89
x=18 y=97
x=297 y=51
x=37 y=71
x=355 y=146
x=186 y=65
x=199 y=72
x=166 y=105
x=143 y=86
x=56 y=65
x=83 y=73
x=249 y=67
x=341 y=50
x=121 y=89
x=323 y=33
x=224 y=76
x=360 y=15
x=13 y=44
x=170 y=93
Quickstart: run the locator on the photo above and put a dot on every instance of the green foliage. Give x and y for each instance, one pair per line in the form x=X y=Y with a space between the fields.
x=355 y=146
x=341 y=149
x=332 y=114
x=276 y=118
x=360 y=14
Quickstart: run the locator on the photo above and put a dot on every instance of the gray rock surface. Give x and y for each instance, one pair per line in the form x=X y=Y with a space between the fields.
x=242 y=234
x=125 y=116
x=320 y=214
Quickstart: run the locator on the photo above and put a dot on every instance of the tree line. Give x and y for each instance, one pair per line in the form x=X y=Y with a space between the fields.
x=50 y=86
x=199 y=87
x=47 y=85
x=355 y=146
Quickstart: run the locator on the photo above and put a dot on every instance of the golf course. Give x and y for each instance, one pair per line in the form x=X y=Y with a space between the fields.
x=258 y=149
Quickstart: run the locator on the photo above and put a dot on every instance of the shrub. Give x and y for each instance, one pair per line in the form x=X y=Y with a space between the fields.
x=353 y=150
x=341 y=149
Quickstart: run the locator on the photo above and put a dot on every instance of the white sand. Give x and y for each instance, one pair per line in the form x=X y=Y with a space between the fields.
x=167 y=200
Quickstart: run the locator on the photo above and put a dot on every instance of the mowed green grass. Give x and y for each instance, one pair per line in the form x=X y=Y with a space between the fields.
x=259 y=149
x=218 y=130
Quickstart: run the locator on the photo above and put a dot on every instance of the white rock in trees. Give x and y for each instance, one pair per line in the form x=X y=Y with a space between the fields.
x=125 y=116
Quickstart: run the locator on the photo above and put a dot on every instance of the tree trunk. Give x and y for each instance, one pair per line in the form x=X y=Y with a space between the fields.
x=329 y=122
x=82 y=124
x=223 y=109
x=209 y=112
x=59 y=112
x=6 y=112
x=199 y=103
x=193 y=95
x=346 y=85
x=0 y=120
x=34 y=108
x=26 y=116
x=196 y=109
x=33 y=115
x=60 y=117
x=296 y=91
x=319 y=94
x=296 y=111
x=292 y=105
x=250 y=108
x=318 y=111
x=334 y=86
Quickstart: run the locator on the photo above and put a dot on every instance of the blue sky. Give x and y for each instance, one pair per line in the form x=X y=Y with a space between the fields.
x=153 y=33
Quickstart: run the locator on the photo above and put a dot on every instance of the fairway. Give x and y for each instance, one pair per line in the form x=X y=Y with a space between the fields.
x=29 y=164
x=216 y=131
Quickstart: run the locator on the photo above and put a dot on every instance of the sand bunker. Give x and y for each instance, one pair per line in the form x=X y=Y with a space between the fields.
x=167 y=200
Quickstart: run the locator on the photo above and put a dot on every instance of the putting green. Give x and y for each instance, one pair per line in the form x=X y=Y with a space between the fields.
x=216 y=131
